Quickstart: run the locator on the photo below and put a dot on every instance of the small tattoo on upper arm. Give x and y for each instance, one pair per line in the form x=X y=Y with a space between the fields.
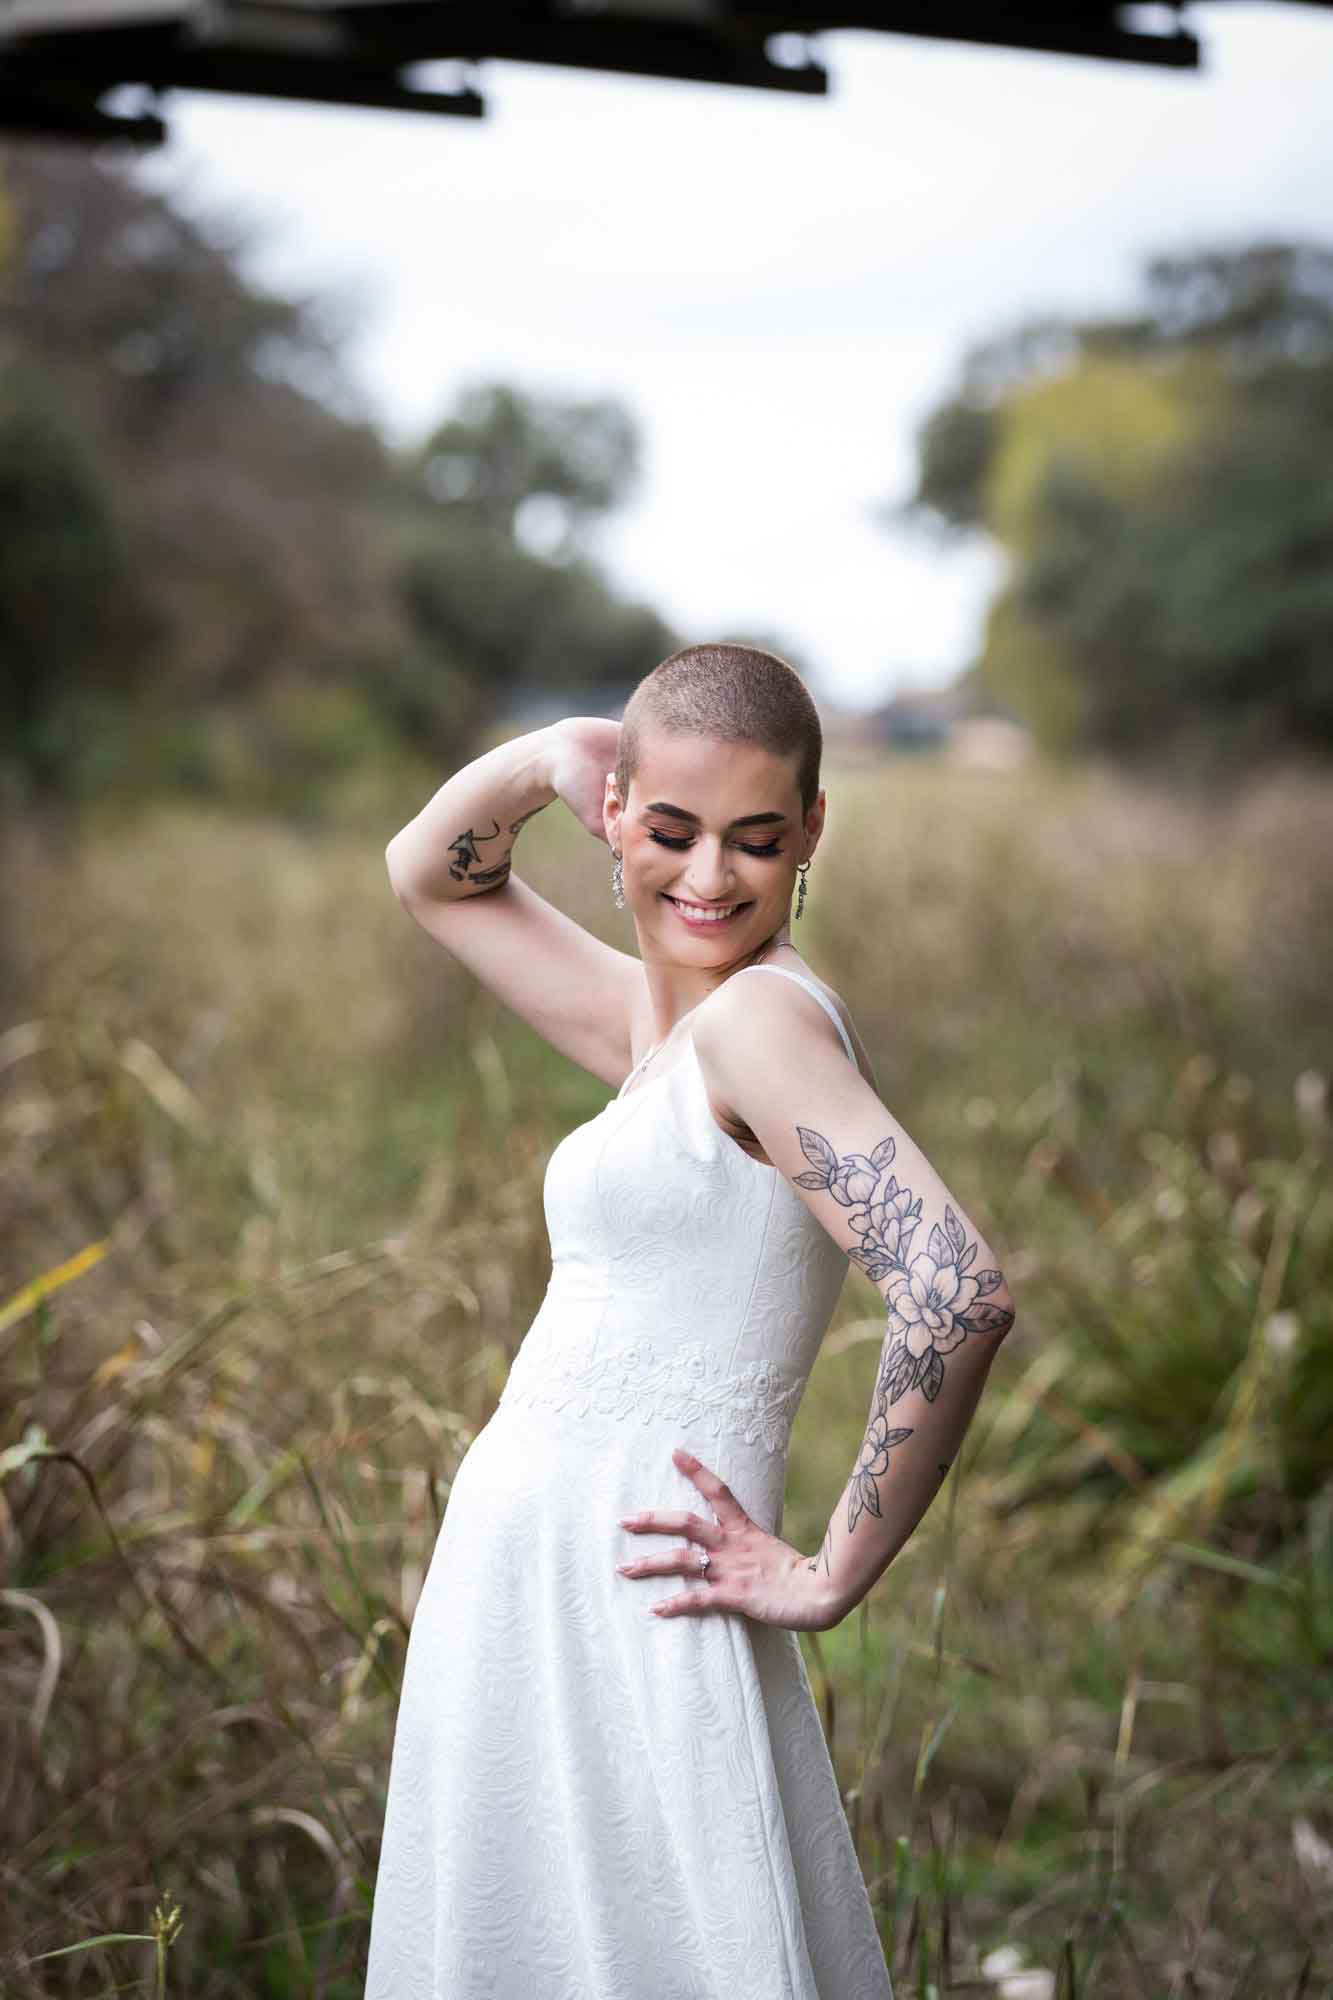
x=466 y=850
x=466 y=865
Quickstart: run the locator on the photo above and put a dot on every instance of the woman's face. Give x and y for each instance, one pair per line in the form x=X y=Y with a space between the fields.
x=710 y=838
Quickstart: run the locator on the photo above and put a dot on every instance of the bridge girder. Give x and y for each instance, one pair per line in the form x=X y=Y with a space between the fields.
x=60 y=59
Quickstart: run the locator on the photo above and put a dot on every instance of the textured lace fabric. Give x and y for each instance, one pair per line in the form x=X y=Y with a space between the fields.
x=586 y=1802
x=686 y=1385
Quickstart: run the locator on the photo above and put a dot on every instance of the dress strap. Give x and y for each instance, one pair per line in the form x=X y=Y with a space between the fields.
x=823 y=1000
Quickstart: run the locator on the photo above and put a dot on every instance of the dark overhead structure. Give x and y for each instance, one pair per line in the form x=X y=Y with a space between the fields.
x=61 y=59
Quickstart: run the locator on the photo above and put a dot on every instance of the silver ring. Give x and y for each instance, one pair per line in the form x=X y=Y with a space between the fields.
x=704 y=1560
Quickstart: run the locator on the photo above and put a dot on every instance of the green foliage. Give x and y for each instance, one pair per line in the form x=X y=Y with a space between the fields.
x=1187 y=1379
x=1159 y=482
x=206 y=535
x=67 y=591
x=504 y=452
x=523 y=624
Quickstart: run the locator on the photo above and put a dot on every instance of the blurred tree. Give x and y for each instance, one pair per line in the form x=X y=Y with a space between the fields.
x=536 y=470
x=243 y=490
x=197 y=457
x=517 y=625
x=494 y=566
x=69 y=605
x=1160 y=484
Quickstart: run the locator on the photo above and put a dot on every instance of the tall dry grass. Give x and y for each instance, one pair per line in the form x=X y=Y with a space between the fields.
x=1085 y=1716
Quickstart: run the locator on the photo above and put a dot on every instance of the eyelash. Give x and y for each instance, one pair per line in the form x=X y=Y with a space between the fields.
x=770 y=848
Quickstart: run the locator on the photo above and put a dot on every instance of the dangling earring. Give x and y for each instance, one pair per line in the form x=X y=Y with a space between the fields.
x=803 y=870
x=618 y=883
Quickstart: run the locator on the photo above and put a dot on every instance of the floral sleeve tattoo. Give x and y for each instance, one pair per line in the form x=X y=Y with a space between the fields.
x=471 y=866
x=934 y=1298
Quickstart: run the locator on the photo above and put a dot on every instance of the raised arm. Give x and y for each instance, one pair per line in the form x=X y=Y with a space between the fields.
x=772 y=1062
x=461 y=841
x=451 y=868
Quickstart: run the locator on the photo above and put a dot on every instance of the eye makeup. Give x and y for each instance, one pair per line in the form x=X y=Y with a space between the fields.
x=680 y=842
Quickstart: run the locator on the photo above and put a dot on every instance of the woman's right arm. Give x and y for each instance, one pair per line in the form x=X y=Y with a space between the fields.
x=451 y=869
x=459 y=844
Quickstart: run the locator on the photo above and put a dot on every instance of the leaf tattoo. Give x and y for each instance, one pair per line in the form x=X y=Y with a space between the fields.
x=873 y=1463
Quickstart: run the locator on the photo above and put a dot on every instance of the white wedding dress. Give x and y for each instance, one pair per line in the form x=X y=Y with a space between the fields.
x=588 y=1802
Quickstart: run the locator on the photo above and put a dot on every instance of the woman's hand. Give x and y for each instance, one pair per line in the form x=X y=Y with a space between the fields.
x=583 y=749
x=748 y=1570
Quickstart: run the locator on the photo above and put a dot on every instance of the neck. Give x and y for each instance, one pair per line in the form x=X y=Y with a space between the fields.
x=676 y=990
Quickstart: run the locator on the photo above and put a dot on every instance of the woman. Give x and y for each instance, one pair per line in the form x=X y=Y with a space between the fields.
x=609 y=1779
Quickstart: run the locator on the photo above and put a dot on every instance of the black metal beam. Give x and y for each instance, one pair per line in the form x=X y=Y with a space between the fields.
x=51 y=79
x=50 y=114
x=727 y=49
x=1092 y=32
x=330 y=80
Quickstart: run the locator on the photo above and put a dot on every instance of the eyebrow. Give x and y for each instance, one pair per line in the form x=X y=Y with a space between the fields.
x=692 y=819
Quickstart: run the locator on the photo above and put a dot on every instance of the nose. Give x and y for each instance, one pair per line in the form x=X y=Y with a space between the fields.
x=710 y=876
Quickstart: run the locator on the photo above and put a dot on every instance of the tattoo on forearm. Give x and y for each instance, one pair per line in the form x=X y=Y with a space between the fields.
x=466 y=865
x=823 y=1556
x=934 y=1298
x=873 y=1463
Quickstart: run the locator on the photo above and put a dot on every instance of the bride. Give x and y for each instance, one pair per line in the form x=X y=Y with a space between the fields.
x=608 y=1779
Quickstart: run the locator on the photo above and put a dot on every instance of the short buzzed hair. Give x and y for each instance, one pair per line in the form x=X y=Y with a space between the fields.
x=734 y=694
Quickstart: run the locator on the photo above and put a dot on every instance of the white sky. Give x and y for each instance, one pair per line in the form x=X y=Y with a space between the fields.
x=779 y=287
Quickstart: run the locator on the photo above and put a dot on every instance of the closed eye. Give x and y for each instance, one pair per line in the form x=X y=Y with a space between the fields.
x=671 y=840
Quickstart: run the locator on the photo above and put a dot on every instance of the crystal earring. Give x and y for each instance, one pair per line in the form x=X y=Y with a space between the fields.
x=618 y=883
x=802 y=870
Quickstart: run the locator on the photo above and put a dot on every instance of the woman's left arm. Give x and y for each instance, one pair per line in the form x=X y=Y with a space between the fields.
x=772 y=1060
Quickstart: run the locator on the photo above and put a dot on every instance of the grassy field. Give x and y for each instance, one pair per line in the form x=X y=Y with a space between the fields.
x=279 y=1165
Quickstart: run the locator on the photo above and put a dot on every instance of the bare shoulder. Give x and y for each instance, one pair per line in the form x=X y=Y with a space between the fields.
x=753 y=1036
x=770 y=1016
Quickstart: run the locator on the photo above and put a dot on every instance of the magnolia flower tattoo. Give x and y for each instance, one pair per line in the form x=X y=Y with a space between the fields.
x=934 y=1297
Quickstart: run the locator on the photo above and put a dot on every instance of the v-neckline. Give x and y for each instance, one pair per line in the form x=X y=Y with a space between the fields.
x=622 y=1095
x=692 y=1055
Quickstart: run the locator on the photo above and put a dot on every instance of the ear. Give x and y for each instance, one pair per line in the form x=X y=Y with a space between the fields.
x=814 y=822
x=612 y=812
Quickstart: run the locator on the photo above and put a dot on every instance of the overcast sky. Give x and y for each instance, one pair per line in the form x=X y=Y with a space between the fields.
x=779 y=287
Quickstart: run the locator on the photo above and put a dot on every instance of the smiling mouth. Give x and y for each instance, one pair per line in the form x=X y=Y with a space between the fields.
x=702 y=915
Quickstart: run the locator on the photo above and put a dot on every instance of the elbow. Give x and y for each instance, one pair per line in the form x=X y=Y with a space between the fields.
x=1001 y=1308
x=398 y=878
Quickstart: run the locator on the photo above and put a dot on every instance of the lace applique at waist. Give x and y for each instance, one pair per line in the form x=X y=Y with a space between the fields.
x=680 y=1384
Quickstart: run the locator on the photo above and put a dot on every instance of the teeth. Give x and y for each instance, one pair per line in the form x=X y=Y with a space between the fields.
x=706 y=916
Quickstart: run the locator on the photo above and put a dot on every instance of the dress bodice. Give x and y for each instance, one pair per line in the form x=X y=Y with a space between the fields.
x=689 y=1281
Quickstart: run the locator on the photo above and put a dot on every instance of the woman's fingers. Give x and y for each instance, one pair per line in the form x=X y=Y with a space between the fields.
x=675 y=1562
x=684 y=1561
x=690 y=1600
x=698 y=1530
x=719 y=1495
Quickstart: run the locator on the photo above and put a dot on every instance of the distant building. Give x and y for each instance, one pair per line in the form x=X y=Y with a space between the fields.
x=941 y=721
x=919 y=721
x=988 y=743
